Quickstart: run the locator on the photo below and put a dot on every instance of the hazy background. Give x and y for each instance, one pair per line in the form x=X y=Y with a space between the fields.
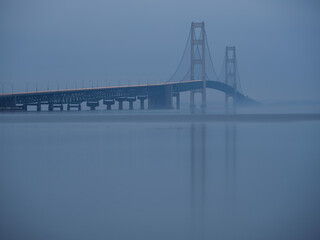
x=84 y=43
x=152 y=180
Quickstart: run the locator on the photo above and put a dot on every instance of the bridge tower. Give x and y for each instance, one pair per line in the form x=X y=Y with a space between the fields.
x=198 y=44
x=230 y=76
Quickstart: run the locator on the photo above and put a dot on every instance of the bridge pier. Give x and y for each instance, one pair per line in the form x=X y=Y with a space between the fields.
x=25 y=107
x=131 y=100
x=120 y=100
x=109 y=103
x=92 y=105
x=74 y=105
x=60 y=106
x=160 y=97
x=192 y=102
x=177 y=95
x=142 y=98
x=38 y=107
x=192 y=105
x=50 y=107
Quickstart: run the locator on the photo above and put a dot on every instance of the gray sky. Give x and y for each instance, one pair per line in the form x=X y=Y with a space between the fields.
x=130 y=41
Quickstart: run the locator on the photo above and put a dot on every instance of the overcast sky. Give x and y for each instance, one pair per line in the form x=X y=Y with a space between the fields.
x=142 y=40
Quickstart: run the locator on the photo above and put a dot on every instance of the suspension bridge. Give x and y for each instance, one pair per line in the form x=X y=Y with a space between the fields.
x=195 y=73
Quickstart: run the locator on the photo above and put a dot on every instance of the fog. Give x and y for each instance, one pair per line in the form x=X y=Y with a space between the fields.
x=160 y=174
x=59 y=44
x=152 y=180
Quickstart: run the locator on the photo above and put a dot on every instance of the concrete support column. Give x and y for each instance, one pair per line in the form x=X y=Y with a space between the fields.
x=109 y=103
x=74 y=105
x=142 y=98
x=142 y=104
x=59 y=106
x=120 y=100
x=131 y=100
x=50 y=107
x=25 y=107
x=177 y=95
x=38 y=107
x=109 y=106
x=92 y=105
x=131 y=105
x=192 y=105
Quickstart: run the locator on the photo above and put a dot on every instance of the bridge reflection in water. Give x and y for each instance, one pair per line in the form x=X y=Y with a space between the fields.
x=158 y=180
x=198 y=158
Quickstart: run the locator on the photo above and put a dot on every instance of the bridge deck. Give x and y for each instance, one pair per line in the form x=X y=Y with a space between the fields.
x=114 y=92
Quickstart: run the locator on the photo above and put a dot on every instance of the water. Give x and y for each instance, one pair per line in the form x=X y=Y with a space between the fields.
x=90 y=179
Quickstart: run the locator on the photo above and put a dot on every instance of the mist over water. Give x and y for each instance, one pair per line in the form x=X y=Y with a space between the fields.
x=169 y=174
x=158 y=180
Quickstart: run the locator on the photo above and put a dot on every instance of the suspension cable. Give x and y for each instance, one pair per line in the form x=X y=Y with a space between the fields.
x=184 y=52
x=211 y=58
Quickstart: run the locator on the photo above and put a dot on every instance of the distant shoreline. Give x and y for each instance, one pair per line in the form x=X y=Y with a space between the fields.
x=145 y=118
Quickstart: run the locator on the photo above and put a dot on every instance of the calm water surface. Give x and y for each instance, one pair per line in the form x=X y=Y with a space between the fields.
x=159 y=180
